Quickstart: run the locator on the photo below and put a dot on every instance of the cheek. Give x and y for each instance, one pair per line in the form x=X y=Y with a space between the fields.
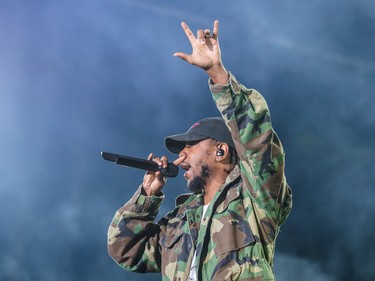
x=198 y=165
x=200 y=160
x=203 y=157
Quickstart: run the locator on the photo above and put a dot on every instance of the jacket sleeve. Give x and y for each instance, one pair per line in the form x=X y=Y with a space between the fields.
x=133 y=236
x=261 y=155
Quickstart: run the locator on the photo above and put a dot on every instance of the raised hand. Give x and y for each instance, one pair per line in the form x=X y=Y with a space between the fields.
x=206 y=52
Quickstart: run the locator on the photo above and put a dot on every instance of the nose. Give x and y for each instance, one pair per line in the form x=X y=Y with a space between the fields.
x=183 y=151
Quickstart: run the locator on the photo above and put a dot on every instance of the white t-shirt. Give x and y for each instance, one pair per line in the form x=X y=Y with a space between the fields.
x=193 y=267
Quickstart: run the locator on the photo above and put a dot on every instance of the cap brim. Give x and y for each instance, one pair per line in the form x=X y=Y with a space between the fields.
x=176 y=143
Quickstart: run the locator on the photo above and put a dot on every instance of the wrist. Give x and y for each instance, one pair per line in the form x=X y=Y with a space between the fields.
x=148 y=191
x=218 y=74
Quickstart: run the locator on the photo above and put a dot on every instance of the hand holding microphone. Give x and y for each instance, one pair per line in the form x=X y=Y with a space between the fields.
x=157 y=169
x=153 y=181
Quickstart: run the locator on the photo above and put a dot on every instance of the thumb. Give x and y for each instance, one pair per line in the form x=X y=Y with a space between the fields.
x=183 y=56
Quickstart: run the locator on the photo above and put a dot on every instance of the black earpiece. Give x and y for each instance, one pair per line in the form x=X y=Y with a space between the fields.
x=220 y=152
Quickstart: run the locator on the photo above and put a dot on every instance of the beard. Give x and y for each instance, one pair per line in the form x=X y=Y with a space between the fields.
x=198 y=183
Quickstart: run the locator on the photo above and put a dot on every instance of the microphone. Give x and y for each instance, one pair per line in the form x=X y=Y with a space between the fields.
x=171 y=171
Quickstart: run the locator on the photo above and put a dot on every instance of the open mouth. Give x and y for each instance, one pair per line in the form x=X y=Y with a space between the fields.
x=185 y=166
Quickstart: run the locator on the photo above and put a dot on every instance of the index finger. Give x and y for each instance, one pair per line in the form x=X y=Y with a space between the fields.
x=179 y=160
x=164 y=161
x=188 y=32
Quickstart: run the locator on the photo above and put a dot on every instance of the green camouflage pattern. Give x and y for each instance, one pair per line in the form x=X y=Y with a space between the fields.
x=236 y=238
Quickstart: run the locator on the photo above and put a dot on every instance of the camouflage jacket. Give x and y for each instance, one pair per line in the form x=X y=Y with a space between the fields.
x=236 y=238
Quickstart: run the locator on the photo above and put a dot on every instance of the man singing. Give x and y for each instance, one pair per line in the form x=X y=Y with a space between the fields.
x=226 y=228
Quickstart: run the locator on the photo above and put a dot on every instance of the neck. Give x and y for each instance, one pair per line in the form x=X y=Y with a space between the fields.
x=212 y=186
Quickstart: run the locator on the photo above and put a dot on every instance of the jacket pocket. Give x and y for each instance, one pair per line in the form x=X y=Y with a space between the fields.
x=173 y=233
x=230 y=229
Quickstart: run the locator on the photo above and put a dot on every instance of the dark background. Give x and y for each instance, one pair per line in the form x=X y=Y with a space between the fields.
x=79 y=77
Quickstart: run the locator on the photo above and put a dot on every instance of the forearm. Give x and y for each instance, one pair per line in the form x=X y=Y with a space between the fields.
x=133 y=236
x=245 y=111
x=258 y=147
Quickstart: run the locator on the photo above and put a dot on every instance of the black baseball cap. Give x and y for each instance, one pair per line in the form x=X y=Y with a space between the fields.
x=211 y=127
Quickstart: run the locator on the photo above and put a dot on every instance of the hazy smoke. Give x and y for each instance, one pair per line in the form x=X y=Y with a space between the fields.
x=79 y=79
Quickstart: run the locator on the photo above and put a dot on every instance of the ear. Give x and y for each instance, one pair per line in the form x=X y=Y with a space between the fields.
x=222 y=151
